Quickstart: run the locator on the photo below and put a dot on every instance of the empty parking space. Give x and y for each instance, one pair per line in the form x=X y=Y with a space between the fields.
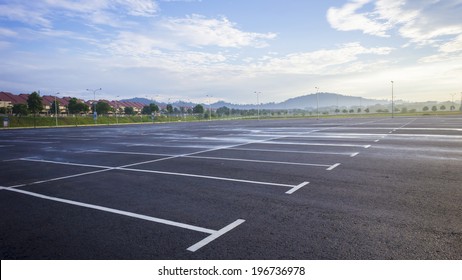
x=249 y=189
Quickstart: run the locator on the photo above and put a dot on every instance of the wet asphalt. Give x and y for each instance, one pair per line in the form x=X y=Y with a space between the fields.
x=361 y=188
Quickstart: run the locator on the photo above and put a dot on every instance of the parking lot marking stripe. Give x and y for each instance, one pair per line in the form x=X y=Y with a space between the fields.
x=206 y=177
x=260 y=161
x=116 y=211
x=313 y=144
x=236 y=149
x=215 y=235
x=129 y=153
x=108 y=168
x=31 y=142
x=367 y=146
x=289 y=151
x=62 y=178
x=66 y=163
x=296 y=188
x=355 y=154
x=333 y=166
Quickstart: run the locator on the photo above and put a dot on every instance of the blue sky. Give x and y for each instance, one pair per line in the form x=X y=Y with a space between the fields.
x=229 y=49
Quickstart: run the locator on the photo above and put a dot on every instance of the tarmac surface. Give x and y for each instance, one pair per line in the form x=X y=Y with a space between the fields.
x=362 y=188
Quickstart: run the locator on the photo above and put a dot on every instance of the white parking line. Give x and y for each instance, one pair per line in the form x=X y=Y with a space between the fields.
x=314 y=144
x=296 y=188
x=291 y=151
x=214 y=234
x=260 y=161
x=333 y=166
x=108 y=168
x=207 y=177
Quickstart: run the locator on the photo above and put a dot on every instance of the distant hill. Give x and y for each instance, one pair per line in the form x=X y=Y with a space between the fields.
x=302 y=102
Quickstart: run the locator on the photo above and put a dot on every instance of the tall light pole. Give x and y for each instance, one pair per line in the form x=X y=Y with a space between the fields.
x=117 y=109
x=210 y=106
x=392 y=101
x=95 y=115
x=56 y=110
x=317 y=103
x=258 y=104
x=461 y=101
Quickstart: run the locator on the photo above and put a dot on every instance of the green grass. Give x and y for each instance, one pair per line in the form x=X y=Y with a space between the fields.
x=46 y=121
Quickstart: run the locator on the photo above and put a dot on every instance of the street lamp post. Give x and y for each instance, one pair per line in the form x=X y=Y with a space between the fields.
x=210 y=106
x=461 y=101
x=392 y=101
x=258 y=104
x=117 y=109
x=317 y=103
x=95 y=115
x=56 y=110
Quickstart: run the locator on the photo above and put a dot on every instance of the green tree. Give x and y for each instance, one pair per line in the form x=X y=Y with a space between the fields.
x=129 y=111
x=367 y=110
x=169 y=108
x=453 y=107
x=35 y=105
x=102 y=108
x=77 y=107
x=20 y=110
x=146 y=110
x=223 y=111
x=198 y=109
x=154 y=108
x=425 y=109
x=54 y=108
x=443 y=108
x=434 y=108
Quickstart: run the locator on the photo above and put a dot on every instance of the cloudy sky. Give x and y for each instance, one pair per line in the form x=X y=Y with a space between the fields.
x=229 y=49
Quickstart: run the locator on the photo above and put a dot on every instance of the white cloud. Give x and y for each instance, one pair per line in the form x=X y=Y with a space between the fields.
x=5 y=32
x=321 y=62
x=199 y=31
x=31 y=15
x=347 y=18
x=425 y=22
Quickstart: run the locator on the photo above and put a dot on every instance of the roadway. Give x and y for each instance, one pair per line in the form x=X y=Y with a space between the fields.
x=362 y=188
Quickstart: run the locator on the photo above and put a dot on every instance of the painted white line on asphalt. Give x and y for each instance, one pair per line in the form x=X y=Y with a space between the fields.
x=289 y=151
x=367 y=146
x=214 y=158
x=115 y=211
x=260 y=161
x=206 y=177
x=312 y=144
x=296 y=188
x=129 y=153
x=108 y=168
x=66 y=163
x=62 y=178
x=215 y=235
x=355 y=154
x=333 y=167
x=235 y=149
x=377 y=141
x=30 y=142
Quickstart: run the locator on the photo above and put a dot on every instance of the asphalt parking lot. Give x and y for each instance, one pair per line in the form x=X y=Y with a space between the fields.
x=363 y=188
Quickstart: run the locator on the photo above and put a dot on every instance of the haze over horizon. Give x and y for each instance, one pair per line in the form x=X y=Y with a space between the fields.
x=230 y=49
